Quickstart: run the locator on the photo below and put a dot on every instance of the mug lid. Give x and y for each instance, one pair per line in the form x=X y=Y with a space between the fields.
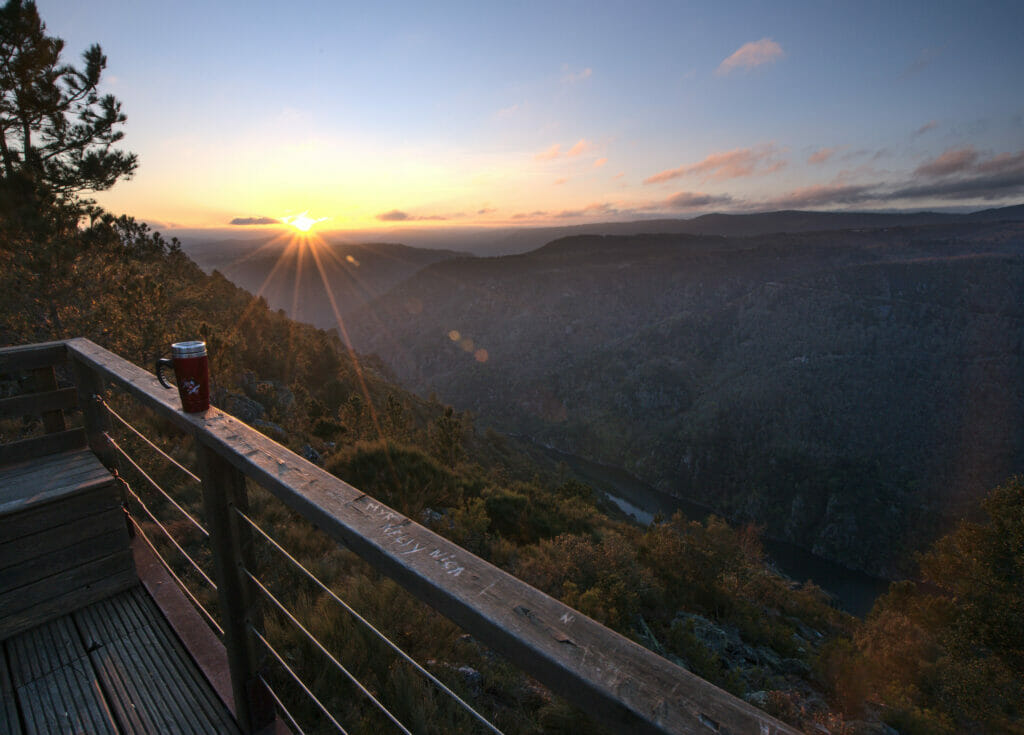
x=193 y=348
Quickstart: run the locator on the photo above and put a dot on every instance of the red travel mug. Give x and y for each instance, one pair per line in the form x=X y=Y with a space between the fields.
x=191 y=373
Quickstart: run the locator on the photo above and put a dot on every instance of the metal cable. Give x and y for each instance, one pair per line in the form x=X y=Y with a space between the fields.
x=171 y=538
x=155 y=485
x=280 y=705
x=298 y=681
x=100 y=400
x=351 y=677
x=391 y=644
x=184 y=588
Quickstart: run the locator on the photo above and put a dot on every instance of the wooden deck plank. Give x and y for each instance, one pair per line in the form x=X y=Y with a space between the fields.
x=9 y=721
x=32 y=482
x=114 y=666
x=205 y=707
x=139 y=658
x=48 y=515
x=40 y=446
x=22 y=598
x=120 y=576
x=13 y=553
x=162 y=637
x=43 y=649
x=55 y=682
x=45 y=565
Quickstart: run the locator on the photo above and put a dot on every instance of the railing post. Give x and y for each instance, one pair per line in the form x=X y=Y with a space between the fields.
x=231 y=543
x=91 y=390
x=45 y=380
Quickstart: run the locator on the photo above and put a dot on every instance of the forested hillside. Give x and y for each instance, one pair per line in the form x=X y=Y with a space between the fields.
x=854 y=391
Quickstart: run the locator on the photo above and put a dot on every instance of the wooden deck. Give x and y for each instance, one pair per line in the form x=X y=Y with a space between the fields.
x=114 y=666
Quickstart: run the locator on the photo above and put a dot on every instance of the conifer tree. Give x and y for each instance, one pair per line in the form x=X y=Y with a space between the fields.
x=57 y=133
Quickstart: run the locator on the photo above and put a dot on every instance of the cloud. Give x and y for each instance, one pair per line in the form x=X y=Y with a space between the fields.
x=571 y=77
x=581 y=146
x=952 y=161
x=603 y=208
x=600 y=162
x=821 y=195
x=923 y=60
x=560 y=181
x=397 y=215
x=958 y=174
x=527 y=215
x=696 y=200
x=1004 y=163
x=726 y=165
x=549 y=154
x=930 y=125
x=486 y=210
x=255 y=221
x=749 y=55
x=821 y=155
x=507 y=111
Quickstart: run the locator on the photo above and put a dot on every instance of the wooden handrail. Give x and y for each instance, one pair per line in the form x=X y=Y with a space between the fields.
x=629 y=688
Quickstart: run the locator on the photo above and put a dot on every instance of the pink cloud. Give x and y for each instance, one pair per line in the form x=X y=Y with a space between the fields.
x=726 y=165
x=549 y=154
x=580 y=147
x=600 y=162
x=955 y=160
x=750 y=55
x=1004 y=163
x=821 y=155
x=560 y=181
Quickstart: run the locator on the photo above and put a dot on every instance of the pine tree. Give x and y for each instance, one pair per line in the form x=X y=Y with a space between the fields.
x=56 y=131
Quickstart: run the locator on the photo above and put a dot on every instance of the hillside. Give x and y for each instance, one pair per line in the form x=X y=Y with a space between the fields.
x=284 y=272
x=853 y=390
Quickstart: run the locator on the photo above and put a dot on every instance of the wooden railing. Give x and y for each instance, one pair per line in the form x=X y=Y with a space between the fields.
x=626 y=687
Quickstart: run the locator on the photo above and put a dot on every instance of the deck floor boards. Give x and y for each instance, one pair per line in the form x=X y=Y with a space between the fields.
x=114 y=666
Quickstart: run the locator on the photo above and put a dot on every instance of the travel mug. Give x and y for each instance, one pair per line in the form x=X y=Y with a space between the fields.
x=191 y=373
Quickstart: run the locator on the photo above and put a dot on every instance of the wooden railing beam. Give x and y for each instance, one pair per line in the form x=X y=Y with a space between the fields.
x=630 y=689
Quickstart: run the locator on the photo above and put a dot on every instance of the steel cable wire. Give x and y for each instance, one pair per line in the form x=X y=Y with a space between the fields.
x=323 y=649
x=100 y=400
x=391 y=644
x=184 y=588
x=155 y=484
x=300 y=682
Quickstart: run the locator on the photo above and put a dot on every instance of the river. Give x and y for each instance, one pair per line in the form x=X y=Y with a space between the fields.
x=854 y=591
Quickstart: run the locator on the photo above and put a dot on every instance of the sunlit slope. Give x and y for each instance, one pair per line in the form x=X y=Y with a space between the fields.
x=850 y=389
x=288 y=277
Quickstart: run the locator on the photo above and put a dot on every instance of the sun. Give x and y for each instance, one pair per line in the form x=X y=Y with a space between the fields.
x=302 y=222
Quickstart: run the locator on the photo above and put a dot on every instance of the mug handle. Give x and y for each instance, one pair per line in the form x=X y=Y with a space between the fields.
x=161 y=363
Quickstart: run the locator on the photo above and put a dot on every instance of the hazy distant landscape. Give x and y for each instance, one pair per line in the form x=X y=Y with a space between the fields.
x=850 y=381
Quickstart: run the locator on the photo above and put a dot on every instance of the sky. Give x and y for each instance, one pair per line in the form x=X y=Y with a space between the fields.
x=486 y=113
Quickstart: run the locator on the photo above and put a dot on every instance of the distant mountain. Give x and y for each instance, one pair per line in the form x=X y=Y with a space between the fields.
x=289 y=277
x=503 y=241
x=853 y=390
